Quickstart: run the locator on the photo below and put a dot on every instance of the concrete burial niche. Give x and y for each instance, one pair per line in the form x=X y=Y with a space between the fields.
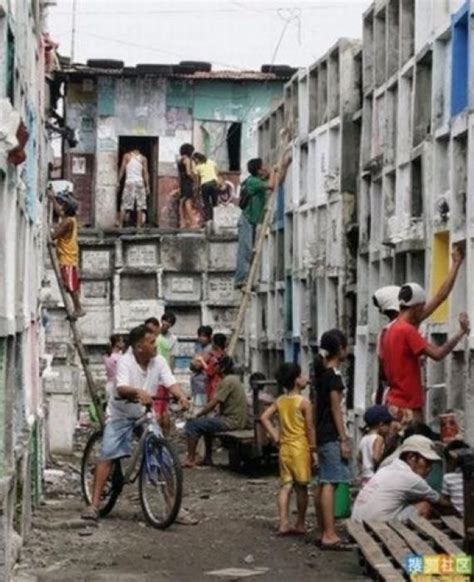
x=183 y=253
x=182 y=287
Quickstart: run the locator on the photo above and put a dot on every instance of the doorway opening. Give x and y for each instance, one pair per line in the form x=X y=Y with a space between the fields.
x=148 y=147
x=234 y=136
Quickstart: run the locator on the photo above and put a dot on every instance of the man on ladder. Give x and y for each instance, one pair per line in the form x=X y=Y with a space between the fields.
x=253 y=196
x=64 y=234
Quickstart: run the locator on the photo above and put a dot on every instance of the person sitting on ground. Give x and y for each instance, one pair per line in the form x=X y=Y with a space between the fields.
x=206 y=171
x=139 y=372
x=230 y=398
x=453 y=488
x=402 y=347
x=134 y=167
x=198 y=377
x=400 y=490
x=186 y=185
x=67 y=248
x=334 y=449
x=386 y=301
x=208 y=362
x=371 y=447
x=297 y=445
x=166 y=346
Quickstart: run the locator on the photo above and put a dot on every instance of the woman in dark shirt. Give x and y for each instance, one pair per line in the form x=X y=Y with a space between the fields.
x=334 y=450
x=186 y=184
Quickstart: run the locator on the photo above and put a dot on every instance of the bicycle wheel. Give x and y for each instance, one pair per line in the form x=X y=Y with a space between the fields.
x=113 y=486
x=161 y=482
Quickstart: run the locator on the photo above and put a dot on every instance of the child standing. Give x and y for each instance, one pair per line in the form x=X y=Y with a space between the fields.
x=67 y=248
x=296 y=440
x=207 y=173
x=166 y=346
x=334 y=450
x=372 y=445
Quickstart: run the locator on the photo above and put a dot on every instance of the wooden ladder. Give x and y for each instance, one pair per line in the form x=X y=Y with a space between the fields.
x=257 y=249
x=77 y=340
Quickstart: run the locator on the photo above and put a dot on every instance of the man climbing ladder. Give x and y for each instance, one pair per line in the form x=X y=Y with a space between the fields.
x=255 y=212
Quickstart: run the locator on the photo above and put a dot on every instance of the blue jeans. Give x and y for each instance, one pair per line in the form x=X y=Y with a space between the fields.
x=197 y=427
x=244 y=252
x=332 y=467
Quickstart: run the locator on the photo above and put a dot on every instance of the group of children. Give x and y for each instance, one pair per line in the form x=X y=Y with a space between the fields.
x=301 y=428
x=201 y=187
x=315 y=451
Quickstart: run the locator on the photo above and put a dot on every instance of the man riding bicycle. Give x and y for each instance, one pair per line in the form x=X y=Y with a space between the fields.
x=139 y=372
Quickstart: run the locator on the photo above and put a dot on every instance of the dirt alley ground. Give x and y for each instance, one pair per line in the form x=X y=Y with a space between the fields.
x=236 y=530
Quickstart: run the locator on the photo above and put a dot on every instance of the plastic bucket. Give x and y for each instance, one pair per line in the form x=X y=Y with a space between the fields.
x=342 y=500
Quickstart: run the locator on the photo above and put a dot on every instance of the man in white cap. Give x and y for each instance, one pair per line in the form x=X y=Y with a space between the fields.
x=402 y=347
x=386 y=301
x=400 y=491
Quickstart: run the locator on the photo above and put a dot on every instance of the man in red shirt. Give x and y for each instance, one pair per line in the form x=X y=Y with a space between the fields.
x=403 y=345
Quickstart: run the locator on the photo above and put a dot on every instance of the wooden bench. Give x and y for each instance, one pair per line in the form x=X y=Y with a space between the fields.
x=384 y=546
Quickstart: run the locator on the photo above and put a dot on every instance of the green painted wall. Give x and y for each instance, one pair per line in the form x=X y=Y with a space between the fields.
x=245 y=102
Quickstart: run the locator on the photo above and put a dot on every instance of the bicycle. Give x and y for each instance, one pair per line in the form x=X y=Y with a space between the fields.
x=156 y=465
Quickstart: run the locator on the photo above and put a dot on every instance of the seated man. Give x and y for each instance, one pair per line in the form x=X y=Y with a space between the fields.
x=399 y=491
x=232 y=415
x=139 y=372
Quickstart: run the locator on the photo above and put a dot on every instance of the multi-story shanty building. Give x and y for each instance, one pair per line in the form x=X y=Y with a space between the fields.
x=130 y=276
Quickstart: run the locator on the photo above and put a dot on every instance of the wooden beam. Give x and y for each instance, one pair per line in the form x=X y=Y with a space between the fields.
x=454 y=523
x=441 y=539
x=391 y=540
x=373 y=553
x=416 y=544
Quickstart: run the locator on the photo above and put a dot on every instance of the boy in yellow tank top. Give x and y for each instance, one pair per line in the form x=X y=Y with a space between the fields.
x=297 y=445
x=67 y=249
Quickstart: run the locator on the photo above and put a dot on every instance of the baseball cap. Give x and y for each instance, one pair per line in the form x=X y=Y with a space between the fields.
x=421 y=445
x=411 y=294
x=386 y=298
x=376 y=414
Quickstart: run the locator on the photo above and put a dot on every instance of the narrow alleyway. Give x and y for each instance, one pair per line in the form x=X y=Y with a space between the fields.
x=237 y=520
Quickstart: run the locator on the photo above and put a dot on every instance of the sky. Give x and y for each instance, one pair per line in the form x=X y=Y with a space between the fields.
x=229 y=34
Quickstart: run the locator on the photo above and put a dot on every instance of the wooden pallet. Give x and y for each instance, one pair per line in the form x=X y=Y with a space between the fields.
x=384 y=546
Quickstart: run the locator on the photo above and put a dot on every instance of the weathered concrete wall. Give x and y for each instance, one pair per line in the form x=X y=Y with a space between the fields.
x=21 y=254
x=174 y=111
x=125 y=280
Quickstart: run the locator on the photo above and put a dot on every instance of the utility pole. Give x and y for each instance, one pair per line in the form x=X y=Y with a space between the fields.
x=73 y=29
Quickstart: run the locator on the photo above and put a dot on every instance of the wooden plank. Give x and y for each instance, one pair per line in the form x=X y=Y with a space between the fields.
x=391 y=540
x=241 y=435
x=373 y=553
x=416 y=544
x=440 y=538
x=454 y=523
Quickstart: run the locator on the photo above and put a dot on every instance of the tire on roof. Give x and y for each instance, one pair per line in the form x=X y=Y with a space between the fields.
x=105 y=64
x=197 y=66
x=279 y=70
x=155 y=69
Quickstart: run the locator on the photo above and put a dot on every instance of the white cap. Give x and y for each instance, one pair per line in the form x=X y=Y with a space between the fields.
x=418 y=295
x=421 y=445
x=386 y=298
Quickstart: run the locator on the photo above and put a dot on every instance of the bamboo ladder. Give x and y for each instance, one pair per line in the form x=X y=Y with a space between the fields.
x=77 y=340
x=258 y=247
